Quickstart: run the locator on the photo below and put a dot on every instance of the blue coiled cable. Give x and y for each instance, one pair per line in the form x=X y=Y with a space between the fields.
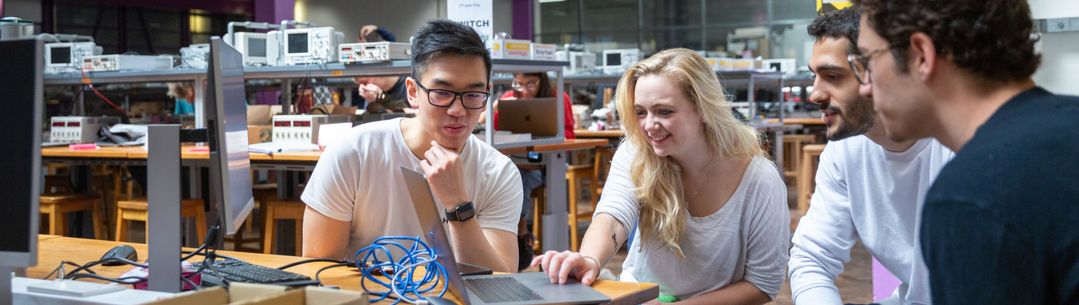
x=376 y=259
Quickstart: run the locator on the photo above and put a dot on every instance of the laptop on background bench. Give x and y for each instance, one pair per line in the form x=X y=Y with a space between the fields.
x=538 y=117
x=516 y=288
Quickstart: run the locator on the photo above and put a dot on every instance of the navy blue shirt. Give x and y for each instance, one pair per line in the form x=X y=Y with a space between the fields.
x=1001 y=223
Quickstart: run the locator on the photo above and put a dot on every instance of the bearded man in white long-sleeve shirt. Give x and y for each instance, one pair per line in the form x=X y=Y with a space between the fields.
x=869 y=188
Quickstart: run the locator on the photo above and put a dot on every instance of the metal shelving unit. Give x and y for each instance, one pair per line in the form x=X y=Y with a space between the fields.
x=328 y=70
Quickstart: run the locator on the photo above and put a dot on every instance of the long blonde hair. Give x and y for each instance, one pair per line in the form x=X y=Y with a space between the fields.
x=658 y=179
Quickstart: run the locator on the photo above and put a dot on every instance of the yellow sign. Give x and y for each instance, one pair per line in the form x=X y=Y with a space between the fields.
x=828 y=6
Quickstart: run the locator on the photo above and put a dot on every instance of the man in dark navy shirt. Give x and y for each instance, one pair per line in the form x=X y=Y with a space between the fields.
x=1000 y=224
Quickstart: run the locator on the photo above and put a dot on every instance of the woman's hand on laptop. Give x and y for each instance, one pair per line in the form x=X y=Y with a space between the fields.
x=560 y=265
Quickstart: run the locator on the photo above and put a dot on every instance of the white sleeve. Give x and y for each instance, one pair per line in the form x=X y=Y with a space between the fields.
x=331 y=190
x=618 y=198
x=768 y=233
x=503 y=196
x=825 y=235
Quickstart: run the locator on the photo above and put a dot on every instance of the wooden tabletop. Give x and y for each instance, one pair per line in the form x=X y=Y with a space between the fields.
x=604 y=134
x=569 y=144
x=53 y=249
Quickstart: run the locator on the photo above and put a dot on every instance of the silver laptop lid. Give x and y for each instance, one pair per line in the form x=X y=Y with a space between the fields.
x=431 y=223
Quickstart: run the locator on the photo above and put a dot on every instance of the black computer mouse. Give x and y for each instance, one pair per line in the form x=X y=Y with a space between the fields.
x=121 y=251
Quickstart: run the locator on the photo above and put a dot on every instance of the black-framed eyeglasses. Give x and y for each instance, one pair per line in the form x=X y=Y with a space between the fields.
x=859 y=64
x=445 y=98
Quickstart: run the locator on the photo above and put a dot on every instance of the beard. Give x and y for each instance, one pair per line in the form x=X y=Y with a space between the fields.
x=855 y=120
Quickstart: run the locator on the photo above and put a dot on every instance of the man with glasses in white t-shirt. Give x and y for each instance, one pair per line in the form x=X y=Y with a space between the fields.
x=356 y=193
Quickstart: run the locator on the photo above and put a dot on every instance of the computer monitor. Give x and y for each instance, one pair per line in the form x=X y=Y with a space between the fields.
x=296 y=42
x=64 y=56
x=617 y=61
x=256 y=46
x=309 y=45
x=612 y=59
x=22 y=94
x=226 y=123
x=251 y=45
x=59 y=54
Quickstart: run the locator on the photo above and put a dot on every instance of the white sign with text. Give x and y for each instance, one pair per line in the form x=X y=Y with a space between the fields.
x=473 y=13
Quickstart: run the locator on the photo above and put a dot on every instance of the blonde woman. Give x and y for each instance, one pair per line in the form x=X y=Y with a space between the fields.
x=710 y=211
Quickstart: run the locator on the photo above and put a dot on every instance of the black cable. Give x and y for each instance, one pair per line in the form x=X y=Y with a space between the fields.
x=87 y=266
x=61 y=266
x=207 y=242
x=312 y=260
x=130 y=280
x=319 y=272
x=193 y=254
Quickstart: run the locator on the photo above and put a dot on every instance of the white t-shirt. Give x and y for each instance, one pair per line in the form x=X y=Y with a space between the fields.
x=747 y=239
x=359 y=179
x=865 y=192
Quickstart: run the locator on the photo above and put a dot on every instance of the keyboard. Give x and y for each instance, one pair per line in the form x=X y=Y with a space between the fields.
x=224 y=271
x=500 y=290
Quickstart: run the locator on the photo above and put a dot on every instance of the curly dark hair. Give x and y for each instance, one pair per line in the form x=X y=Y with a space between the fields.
x=838 y=24
x=989 y=38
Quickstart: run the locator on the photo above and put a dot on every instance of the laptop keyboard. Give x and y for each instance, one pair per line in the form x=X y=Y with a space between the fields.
x=500 y=290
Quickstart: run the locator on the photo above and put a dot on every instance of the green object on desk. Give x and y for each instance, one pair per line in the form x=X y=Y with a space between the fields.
x=667 y=298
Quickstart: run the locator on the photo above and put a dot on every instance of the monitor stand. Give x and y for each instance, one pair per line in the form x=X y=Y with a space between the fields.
x=163 y=165
x=6 y=273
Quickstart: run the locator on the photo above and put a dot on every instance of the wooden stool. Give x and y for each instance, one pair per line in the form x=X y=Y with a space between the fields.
x=274 y=210
x=792 y=154
x=261 y=193
x=136 y=210
x=574 y=174
x=807 y=173
x=56 y=206
x=600 y=167
x=538 y=198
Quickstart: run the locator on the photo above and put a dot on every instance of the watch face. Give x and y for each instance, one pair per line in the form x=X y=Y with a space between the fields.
x=462 y=212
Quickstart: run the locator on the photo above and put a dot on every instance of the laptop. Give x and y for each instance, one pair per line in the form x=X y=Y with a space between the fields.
x=517 y=288
x=538 y=117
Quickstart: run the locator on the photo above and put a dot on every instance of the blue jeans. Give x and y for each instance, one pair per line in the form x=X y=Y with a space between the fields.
x=530 y=180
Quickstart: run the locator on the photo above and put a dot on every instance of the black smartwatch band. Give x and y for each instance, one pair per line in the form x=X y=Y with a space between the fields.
x=462 y=212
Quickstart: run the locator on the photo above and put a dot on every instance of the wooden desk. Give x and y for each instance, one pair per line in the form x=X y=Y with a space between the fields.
x=600 y=134
x=54 y=249
x=569 y=144
x=554 y=159
x=101 y=152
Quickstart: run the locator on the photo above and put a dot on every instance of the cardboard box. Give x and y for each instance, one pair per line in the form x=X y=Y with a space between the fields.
x=255 y=294
x=259 y=115
x=510 y=48
x=544 y=51
x=259 y=133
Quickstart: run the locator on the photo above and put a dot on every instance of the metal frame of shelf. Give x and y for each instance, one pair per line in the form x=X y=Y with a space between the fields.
x=328 y=70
